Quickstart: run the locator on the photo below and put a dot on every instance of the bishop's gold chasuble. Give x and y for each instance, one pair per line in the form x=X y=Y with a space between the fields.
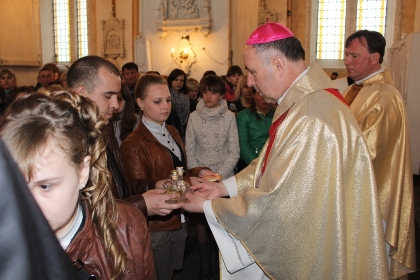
x=314 y=213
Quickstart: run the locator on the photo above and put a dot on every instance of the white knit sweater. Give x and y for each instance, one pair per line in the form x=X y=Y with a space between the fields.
x=212 y=139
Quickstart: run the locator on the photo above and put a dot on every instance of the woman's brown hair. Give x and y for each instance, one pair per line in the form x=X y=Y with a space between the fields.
x=128 y=117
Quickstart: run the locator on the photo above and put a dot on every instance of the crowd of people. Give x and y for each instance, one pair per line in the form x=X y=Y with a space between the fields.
x=306 y=176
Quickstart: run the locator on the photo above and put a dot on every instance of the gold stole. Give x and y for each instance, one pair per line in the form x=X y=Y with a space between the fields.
x=351 y=95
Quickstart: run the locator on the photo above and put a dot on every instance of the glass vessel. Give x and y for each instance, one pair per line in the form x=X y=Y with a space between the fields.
x=181 y=183
x=176 y=184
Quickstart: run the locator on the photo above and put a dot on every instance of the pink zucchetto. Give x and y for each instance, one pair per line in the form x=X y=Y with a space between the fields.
x=269 y=32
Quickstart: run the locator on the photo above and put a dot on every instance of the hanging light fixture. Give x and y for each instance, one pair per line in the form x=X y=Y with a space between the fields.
x=184 y=55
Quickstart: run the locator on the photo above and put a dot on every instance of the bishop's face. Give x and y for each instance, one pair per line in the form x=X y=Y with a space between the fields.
x=262 y=76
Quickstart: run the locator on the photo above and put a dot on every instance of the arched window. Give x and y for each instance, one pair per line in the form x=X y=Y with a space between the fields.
x=70 y=25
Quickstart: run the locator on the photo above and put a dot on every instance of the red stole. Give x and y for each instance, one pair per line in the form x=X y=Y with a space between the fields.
x=276 y=124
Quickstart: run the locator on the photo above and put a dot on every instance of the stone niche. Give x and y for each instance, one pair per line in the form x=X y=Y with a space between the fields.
x=183 y=17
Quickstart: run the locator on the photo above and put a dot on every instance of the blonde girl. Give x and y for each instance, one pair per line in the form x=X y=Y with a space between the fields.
x=57 y=144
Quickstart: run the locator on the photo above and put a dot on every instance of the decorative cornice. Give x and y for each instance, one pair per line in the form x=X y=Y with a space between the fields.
x=183 y=17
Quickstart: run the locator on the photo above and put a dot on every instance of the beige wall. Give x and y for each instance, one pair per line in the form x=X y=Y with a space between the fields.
x=408 y=15
x=242 y=11
x=298 y=19
x=234 y=20
x=20 y=43
x=244 y=20
x=416 y=28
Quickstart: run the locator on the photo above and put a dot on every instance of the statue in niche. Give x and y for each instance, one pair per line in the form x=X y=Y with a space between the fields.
x=113 y=41
x=183 y=9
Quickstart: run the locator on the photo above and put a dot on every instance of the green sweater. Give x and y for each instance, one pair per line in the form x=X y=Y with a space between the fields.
x=253 y=132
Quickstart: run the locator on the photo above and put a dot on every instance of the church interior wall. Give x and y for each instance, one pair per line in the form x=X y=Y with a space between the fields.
x=232 y=22
x=27 y=33
x=212 y=51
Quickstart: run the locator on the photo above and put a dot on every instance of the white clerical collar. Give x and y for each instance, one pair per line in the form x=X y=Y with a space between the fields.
x=154 y=127
x=371 y=75
x=297 y=79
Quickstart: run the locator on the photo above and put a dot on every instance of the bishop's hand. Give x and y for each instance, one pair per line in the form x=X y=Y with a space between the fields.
x=210 y=190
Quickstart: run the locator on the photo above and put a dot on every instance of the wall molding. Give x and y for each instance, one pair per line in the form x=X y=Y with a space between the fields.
x=22 y=28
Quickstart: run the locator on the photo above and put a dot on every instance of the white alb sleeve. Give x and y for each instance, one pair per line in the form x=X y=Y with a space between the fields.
x=231 y=187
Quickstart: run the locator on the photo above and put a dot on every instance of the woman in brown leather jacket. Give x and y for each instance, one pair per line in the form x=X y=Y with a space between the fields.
x=150 y=152
x=57 y=144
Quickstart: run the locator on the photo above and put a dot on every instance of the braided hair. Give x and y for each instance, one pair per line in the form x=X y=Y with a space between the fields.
x=71 y=121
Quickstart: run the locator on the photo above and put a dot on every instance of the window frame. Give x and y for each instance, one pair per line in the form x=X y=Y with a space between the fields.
x=73 y=25
x=350 y=27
